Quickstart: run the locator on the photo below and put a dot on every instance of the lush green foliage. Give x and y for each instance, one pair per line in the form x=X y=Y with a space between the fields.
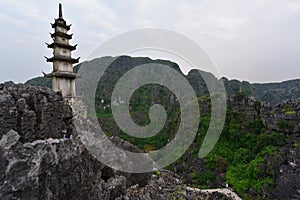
x=244 y=145
x=40 y=81
x=285 y=125
x=243 y=175
x=202 y=178
x=245 y=154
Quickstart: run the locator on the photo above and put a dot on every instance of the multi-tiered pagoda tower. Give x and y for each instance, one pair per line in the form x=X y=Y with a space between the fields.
x=63 y=77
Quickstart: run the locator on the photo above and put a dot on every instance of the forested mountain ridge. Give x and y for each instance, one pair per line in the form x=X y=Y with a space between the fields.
x=257 y=153
x=271 y=92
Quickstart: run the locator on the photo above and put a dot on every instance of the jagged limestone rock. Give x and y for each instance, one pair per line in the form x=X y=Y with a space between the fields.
x=288 y=180
x=9 y=139
x=37 y=163
x=284 y=117
x=34 y=112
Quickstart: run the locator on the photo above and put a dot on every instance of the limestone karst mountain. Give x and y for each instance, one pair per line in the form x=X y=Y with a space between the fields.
x=271 y=92
x=257 y=153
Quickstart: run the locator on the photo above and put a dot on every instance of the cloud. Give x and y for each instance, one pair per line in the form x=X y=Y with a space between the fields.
x=293 y=6
x=247 y=39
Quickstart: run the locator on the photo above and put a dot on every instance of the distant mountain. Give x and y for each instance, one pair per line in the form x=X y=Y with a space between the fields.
x=271 y=92
x=277 y=92
x=259 y=145
x=40 y=81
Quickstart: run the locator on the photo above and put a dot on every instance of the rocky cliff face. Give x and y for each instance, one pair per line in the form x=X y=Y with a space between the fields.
x=288 y=181
x=285 y=117
x=244 y=109
x=57 y=169
x=37 y=163
x=34 y=112
x=167 y=185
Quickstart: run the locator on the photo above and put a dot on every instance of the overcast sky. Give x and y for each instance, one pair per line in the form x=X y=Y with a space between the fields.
x=257 y=40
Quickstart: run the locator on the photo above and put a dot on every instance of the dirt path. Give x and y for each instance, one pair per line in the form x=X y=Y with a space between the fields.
x=225 y=191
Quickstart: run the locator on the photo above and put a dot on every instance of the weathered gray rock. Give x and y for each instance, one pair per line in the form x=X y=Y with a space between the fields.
x=37 y=163
x=49 y=169
x=34 y=112
x=115 y=187
x=57 y=169
x=11 y=138
x=167 y=185
x=285 y=117
x=288 y=181
x=246 y=107
x=8 y=113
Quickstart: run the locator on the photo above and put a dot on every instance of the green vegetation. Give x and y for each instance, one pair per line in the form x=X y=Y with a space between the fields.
x=157 y=173
x=290 y=112
x=202 y=178
x=285 y=125
x=288 y=109
x=246 y=152
x=297 y=143
x=239 y=96
x=40 y=81
x=243 y=156
x=240 y=154
x=271 y=92
x=243 y=176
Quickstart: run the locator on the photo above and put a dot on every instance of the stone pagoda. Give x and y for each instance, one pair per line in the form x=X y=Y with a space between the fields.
x=63 y=77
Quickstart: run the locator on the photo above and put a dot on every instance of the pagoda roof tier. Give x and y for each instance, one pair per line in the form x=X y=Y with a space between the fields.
x=61 y=23
x=57 y=44
x=63 y=74
x=63 y=58
x=61 y=34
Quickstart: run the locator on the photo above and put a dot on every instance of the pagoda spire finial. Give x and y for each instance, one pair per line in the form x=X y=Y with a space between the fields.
x=60 y=11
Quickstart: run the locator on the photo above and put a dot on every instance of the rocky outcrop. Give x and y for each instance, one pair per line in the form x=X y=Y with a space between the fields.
x=34 y=112
x=48 y=169
x=57 y=169
x=244 y=106
x=37 y=163
x=167 y=185
x=288 y=181
x=285 y=117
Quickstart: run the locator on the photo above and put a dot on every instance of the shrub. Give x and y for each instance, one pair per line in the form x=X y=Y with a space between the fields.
x=285 y=125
